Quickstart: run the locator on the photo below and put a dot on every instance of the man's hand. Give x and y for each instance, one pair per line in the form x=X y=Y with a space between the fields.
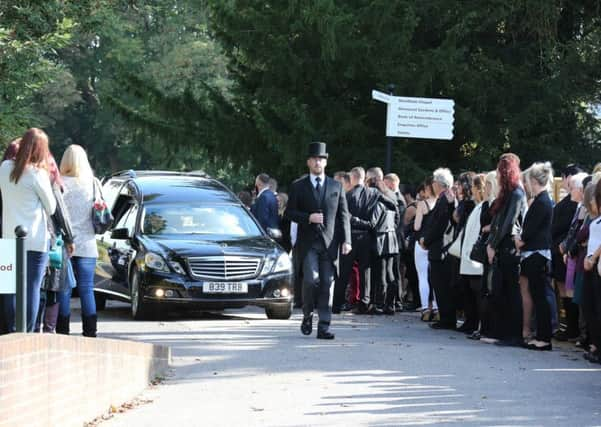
x=70 y=249
x=346 y=248
x=491 y=254
x=316 y=218
x=519 y=243
x=421 y=243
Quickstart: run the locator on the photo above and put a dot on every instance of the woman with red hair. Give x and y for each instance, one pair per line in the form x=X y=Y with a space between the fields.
x=508 y=212
x=25 y=186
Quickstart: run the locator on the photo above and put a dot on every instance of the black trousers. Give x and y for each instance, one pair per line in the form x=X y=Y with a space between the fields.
x=411 y=276
x=297 y=278
x=591 y=306
x=443 y=290
x=472 y=301
x=386 y=288
x=535 y=268
x=361 y=252
x=397 y=269
x=318 y=276
x=506 y=300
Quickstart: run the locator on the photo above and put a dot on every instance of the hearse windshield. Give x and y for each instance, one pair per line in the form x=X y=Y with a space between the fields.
x=189 y=218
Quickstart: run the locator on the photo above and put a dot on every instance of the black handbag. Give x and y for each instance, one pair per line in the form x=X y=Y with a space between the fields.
x=102 y=219
x=51 y=280
x=478 y=252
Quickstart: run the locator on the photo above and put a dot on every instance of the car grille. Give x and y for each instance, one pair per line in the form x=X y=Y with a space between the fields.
x=224 y=267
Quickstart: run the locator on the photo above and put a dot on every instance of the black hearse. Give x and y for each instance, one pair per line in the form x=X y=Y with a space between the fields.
x=185 y=240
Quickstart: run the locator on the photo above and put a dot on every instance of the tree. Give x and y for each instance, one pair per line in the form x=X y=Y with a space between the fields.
x=522 y=74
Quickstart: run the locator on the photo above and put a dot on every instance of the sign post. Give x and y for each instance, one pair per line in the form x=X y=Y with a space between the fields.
x=411 y=117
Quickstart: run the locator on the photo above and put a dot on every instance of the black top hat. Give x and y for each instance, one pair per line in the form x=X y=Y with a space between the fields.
x=318 y=149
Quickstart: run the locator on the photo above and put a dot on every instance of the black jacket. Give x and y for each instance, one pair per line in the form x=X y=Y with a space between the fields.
x=536 y=232
x=386 y=241
x=362 y=202
x=302 y=203
x=563 y=213
x=507 y=222
x=438 y=222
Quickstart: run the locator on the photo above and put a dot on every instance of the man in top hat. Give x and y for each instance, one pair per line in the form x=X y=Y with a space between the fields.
x=317 y=203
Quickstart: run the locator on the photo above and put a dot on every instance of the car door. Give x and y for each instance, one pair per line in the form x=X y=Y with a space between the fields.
x=115 y=254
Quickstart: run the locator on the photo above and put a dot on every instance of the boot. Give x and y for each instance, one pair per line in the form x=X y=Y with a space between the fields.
x=62 y=324
x=89 y=326
x=50 y=318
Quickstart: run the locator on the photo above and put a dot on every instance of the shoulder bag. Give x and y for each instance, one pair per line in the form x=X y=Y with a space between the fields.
x=101 y=215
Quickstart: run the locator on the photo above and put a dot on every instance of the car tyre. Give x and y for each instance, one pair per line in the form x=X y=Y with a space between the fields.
x=279 y=311
x=140 y=309
x=100 y=301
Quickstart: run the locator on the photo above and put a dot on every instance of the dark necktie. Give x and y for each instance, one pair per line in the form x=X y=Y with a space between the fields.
x=318 y=185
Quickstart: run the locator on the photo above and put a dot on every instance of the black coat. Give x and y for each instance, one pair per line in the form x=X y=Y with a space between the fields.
x=302 y=203
x=536 y=232
x=563 y=213
x=438 y=222
x=507 y=222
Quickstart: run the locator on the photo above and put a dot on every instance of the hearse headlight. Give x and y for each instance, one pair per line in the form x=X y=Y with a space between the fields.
x=177 y=267
x=282 y=264
x=156 y=262
x=267 y=265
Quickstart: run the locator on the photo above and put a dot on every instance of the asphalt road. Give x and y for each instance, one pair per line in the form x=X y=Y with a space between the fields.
x=240 y=369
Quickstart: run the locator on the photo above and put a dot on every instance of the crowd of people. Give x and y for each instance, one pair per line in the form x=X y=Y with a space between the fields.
x=500 y=256
x=503 y=256
x=54 y=204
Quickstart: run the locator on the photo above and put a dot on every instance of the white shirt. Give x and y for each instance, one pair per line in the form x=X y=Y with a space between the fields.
x=28 y=203
x=594 y=237
x=313 y=178
x=79 y=199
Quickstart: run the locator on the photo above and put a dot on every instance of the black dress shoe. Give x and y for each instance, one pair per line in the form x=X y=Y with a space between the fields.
x=298 y=305
x=466 y=329
x=336 y=310
x=325 y=335
x=474 y=336
x=546 y=347
x=346 y=307
x=440 y=325
x=377 y=311
x=593 y=356
x=389 y=311
x=307 y=325
x=361 y=309
x=514 y=342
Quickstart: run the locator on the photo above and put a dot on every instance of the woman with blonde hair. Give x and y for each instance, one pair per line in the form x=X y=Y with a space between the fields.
x=534 y=244
x=28 y=202
x=80 y=187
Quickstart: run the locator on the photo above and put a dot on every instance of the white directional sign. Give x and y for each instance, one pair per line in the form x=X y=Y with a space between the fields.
x=8 y=266
x=428 y=118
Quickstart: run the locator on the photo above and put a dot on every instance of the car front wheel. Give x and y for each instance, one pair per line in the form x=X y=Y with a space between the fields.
x=279 y=311
x=140 y=309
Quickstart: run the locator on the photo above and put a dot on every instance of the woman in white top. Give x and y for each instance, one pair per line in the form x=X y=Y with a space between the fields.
x=28 y=201
x=424 y=207
x=79 y=185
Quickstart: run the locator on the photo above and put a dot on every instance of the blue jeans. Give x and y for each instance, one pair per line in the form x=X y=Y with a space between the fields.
x=83 y=268
x=36 y=268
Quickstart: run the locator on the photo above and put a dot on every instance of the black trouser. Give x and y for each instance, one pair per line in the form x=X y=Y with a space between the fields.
x=361 y=253
x=506 y=300
x=443 y=290
x=297 y=278
x=472 y=286
x=318 y=276
x=385 y=286
x=411 y=276
x=397 y=269
x=535 y=269
x=591 y=306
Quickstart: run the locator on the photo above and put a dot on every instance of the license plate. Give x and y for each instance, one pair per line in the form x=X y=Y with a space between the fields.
x=224 y=288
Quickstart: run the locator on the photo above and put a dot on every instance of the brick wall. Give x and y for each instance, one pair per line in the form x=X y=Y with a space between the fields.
x=59 y=380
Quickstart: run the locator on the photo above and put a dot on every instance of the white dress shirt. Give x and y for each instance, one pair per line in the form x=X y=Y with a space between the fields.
x=27 y=203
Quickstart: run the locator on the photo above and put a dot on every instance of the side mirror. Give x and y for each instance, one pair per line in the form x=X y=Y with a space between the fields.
x=120 y=234
x=274 y=233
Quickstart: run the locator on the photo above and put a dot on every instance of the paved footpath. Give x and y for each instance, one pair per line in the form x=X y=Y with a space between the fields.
x=240 y=369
